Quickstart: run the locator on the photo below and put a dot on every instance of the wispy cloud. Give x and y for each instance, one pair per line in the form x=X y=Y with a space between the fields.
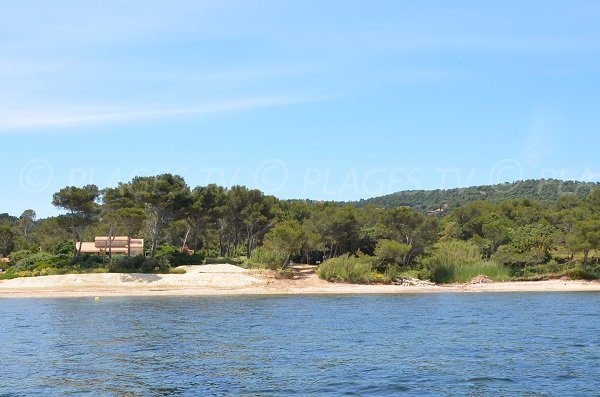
x=76 y=116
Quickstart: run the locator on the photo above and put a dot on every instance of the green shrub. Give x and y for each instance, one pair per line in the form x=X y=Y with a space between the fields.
x=88 y=261
x=28 y=261
x=347 y=268
x=493 y=270
x=509 y=256
x=64 y=248
x=463 y=273
x=166 y=250
x=442 y=273
x=223 y=261
x=139 y=264
x=18 y=256
x=181 y=259
x=454 y=252
x=580 y=274
x=269 y=258
x=390 y=253
x=457 y=261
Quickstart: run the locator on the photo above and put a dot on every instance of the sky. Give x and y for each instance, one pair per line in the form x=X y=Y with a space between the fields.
x=309 y=99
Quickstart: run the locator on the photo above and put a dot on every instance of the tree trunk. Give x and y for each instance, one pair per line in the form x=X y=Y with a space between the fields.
x=287 y=260
x=585 y=259
x=129 y=243
x=187 y=234
x=110 y=242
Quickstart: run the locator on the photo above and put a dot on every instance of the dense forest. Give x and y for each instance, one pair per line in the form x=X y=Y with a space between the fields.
x=501 y=238
x=546 y=191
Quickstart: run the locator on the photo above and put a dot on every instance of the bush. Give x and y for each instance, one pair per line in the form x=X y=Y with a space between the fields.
x=390 y=253
x=457 y=261
x=64 y=248
x=347 y=268
x=509 y=256
x=88 y=261
x=181 y=259
x=166 y=250
x=223 y=261
x=463 y=273
x=442 y=273
x=18 y=256
x=271 y=259
x=454 y=252
x=138 y=264
x=28 y=261
x=580 y=274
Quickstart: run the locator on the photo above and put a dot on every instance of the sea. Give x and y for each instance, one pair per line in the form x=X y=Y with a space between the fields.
x=489 y=344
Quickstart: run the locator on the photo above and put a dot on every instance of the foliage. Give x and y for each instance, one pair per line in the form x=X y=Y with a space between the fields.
x=284 y=240
x=547 y=191
x=390 y=254
x=139 y=264
x=81 y=206
x=7 y=240
x=223 y=261
x=510 y=256
x=182 y=259
x=533 y=228
x=446 y=273
x=165 y=250
x=347 y=268
x=581 y=274
x=88 y=261
x=454 y=252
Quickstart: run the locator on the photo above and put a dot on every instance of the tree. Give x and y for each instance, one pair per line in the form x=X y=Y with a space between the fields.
x=7 y=240
x=203 y=214
x=131 y=220
x=496 y=230
x=411 y=228
x=122 y=213
x=391 y=253
x=585 y=237
x=81 y=206
x=165 y=197
x=285 y=239
x=26 y=223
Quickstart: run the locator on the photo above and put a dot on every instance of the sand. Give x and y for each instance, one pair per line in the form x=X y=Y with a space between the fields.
x=232 y=280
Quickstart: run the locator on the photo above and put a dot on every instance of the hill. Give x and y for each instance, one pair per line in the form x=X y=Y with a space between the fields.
x=544 y=190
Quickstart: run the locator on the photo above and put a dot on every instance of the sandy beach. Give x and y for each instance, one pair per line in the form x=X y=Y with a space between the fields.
x=232 y=280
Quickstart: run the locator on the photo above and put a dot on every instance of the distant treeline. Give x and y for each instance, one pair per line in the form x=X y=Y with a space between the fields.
x=546 y=191
x=499 y=231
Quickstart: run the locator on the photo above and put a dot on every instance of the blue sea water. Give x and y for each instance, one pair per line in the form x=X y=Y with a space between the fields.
x=529 y=344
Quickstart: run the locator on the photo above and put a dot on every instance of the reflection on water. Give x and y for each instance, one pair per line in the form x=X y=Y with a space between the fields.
x=496 y=344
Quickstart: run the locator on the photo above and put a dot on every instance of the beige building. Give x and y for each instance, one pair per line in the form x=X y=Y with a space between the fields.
x=119 y=246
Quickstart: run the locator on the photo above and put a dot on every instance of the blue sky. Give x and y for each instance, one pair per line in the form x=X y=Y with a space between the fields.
x=331 y=100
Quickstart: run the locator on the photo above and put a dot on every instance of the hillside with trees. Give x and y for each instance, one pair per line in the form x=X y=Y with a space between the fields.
x=546 y=191
x=511 y=238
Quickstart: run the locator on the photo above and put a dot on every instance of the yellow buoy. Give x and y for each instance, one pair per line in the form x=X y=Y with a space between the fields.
x=97 y=299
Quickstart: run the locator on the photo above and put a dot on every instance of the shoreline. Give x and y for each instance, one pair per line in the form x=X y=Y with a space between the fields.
x=228 y=280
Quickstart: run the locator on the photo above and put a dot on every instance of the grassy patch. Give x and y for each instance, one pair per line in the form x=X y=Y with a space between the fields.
x=463 y=273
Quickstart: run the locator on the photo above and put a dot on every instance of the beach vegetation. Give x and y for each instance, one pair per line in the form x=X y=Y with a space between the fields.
x=526 y=234
x=356 y=269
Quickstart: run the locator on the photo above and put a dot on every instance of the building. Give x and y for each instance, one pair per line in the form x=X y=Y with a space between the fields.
x=119 y=246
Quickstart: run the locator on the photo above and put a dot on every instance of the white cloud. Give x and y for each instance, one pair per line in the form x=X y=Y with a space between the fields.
x=33 y=119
